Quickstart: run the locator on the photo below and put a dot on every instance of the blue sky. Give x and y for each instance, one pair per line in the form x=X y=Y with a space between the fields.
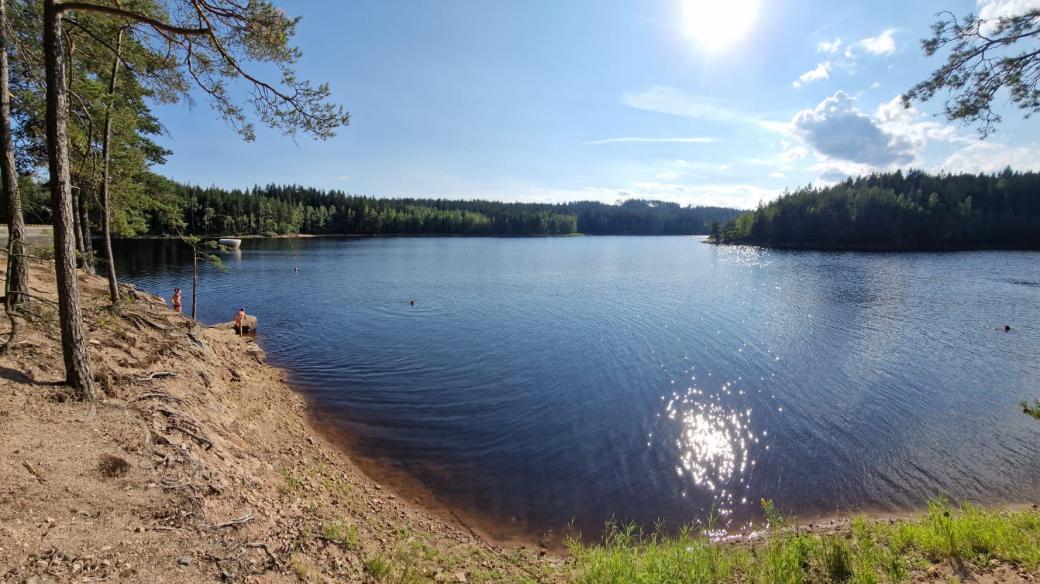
x=540 y=100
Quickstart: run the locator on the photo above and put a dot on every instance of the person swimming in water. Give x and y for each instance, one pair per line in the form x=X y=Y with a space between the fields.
x=412 y=302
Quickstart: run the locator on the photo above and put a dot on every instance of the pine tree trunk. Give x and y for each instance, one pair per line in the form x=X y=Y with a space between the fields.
x=76 y=231
x=84 y=225
x=73 y=337
x=106 y=227
x=81 y=250
x=17 y=285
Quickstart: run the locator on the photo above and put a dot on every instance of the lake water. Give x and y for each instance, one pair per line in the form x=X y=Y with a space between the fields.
x=540 y=381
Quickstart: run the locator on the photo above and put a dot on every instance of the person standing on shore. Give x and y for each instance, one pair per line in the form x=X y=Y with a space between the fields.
x=240 y=319
x=177 y=299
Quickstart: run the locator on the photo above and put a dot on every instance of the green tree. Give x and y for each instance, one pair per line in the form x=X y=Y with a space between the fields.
x=201 y=253
x=986 y=56
x=211 y=43
x=716 y=233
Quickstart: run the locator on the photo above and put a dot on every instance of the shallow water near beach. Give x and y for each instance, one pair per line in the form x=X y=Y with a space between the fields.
x=537 y=382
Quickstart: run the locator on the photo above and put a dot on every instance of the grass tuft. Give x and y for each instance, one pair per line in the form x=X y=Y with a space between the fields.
x=338 y=531
x=868 y=552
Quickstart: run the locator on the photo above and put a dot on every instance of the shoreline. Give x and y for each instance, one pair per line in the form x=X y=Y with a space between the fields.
x=894 y=249
x=205 y=463
x=490 y=530
x=200 y=464
x=409 y=488
x=408 y=235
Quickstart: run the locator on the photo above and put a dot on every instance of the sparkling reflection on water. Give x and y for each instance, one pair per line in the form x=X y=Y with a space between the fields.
x=713 y=443
x=538 y=381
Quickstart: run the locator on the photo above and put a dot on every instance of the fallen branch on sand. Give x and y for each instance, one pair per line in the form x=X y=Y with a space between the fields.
x=33 y=472
x=234 y=522
x=205 y=442
x=160 y=395
x=176 y=421
x=263 y=546
x=156 y=375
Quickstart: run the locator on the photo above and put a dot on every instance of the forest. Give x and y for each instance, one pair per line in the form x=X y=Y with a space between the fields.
x=899 y=211
x=176 y=209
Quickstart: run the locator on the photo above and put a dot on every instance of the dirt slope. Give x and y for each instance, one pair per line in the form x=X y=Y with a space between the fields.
x=199 y=466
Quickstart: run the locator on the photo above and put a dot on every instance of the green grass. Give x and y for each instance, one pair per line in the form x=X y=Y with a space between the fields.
x=867 y=552
x=292 y=484
x=1031 y=409
x=338 y=531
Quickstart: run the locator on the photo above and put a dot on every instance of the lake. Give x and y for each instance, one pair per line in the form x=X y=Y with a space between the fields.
x=541 y=381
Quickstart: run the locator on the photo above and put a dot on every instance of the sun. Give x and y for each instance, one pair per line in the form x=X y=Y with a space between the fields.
x=717 y=24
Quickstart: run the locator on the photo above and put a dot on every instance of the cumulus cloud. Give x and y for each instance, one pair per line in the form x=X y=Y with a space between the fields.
x=828 y=46
x=882 y=44
x=914 y=126
x=838 y=129
x=992 y=157
x=822 y=71
x=993 y=10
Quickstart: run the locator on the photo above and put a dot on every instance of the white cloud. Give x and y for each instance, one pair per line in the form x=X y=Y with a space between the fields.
x=727 y=195
x=742 y=196
x=993 y=10
x=822 y=71
x=792 y=154
x=838 y=129
x=833 y=171
x=833 y=175
x=912 y=125
x=883 y=44
x=672 y=101
x=992 y=157
x=828 y=46
x=675 y=102
x=667 y=176
x=690 y=140
x=341 y=178
x=777 y=175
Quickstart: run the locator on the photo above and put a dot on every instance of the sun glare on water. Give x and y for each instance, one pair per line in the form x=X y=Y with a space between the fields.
x=718 y=24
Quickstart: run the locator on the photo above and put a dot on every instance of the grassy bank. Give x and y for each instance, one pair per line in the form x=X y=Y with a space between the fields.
x=948 y=544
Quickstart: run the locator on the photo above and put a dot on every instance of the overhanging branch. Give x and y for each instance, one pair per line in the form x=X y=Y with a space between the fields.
x=63 y=7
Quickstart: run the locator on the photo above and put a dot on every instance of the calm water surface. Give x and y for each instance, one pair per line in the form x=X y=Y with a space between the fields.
x=538 y=381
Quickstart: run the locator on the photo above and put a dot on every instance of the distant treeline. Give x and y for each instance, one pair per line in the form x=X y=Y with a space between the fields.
x=174 y=208
x=894 y=210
